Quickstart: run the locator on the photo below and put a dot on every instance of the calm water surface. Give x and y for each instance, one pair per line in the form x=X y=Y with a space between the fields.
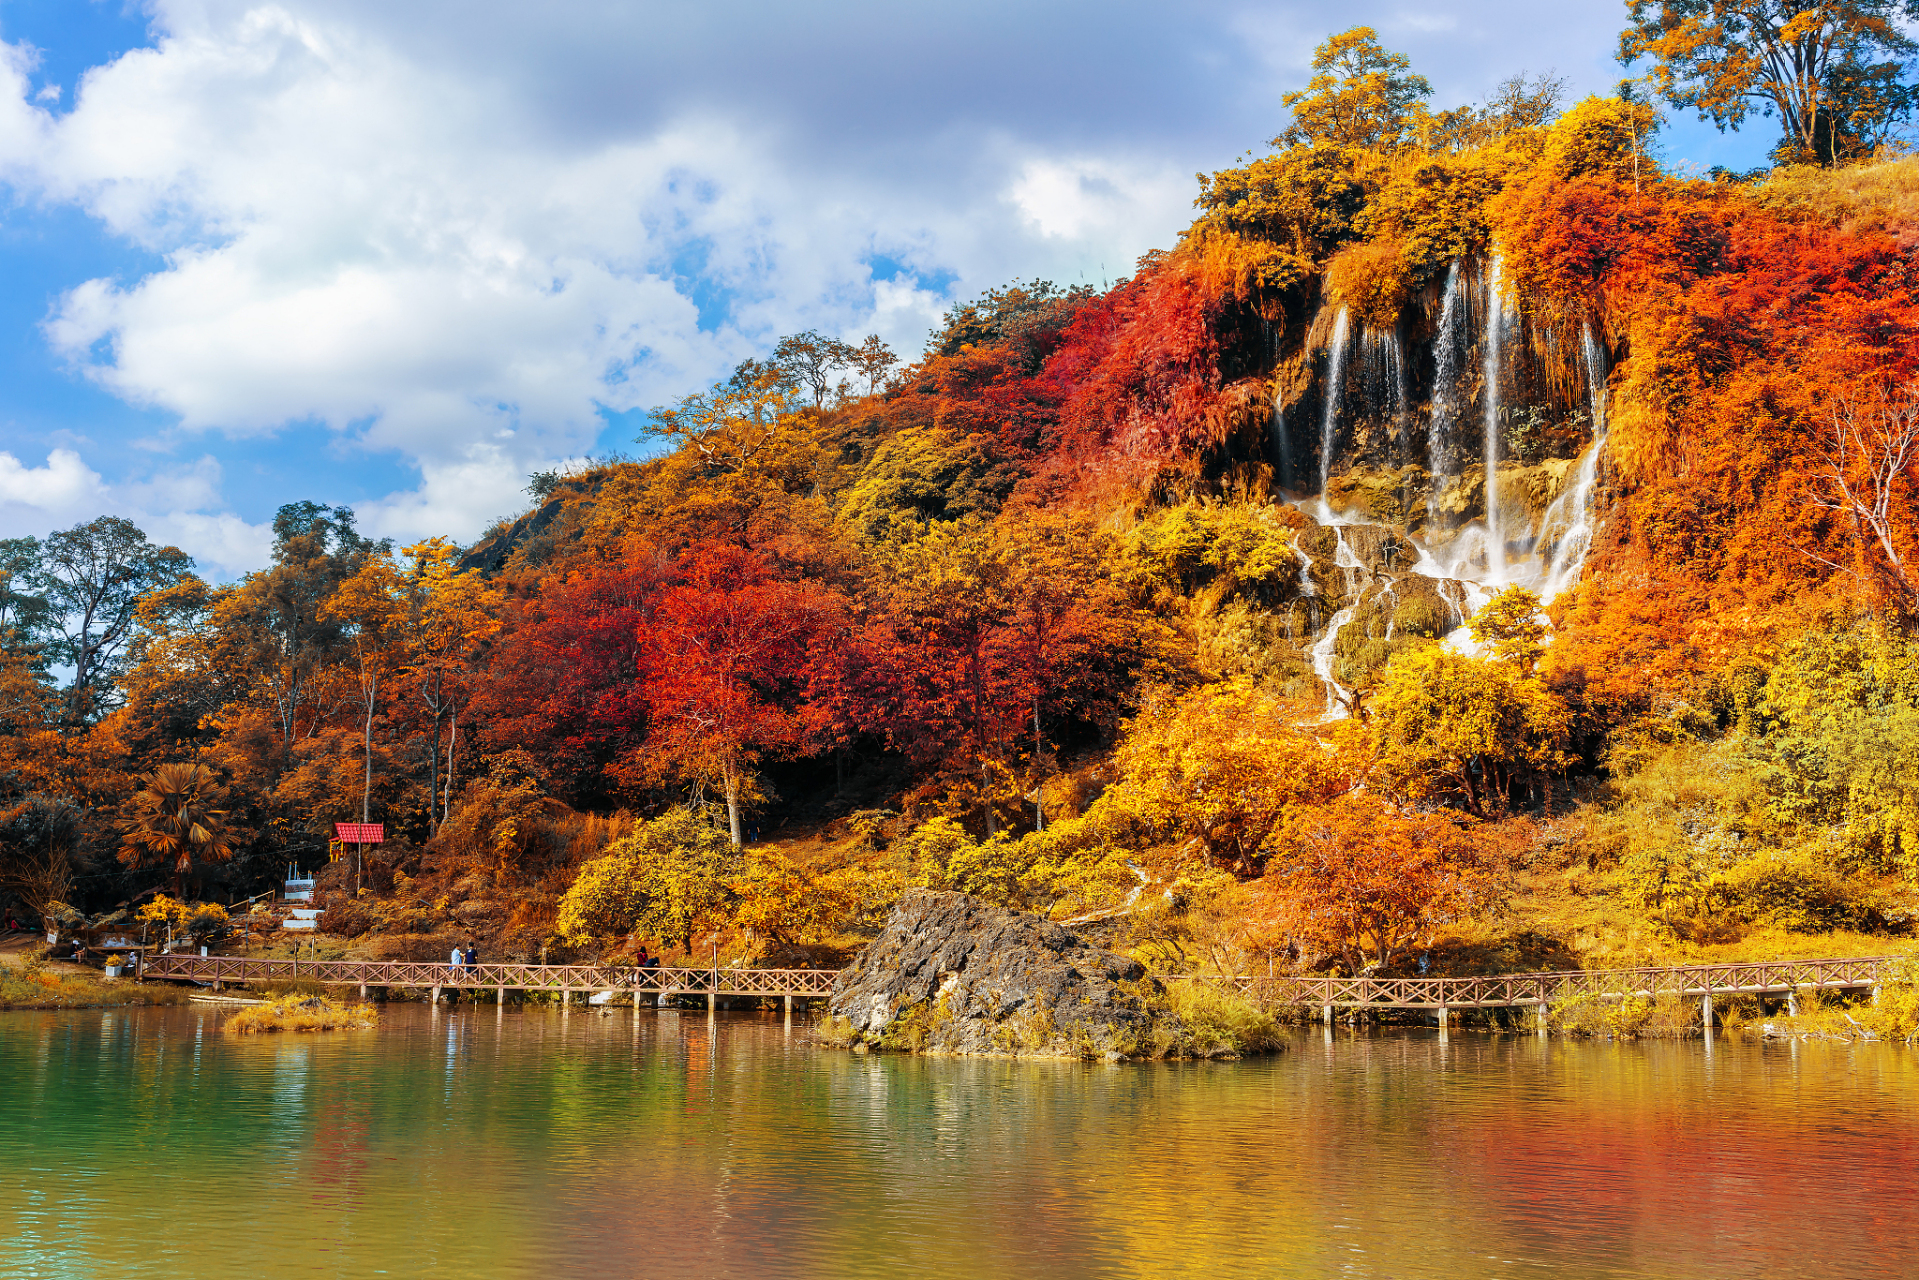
x=147 y=1143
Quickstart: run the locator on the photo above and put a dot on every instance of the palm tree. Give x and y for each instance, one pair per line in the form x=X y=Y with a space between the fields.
x=174 y=821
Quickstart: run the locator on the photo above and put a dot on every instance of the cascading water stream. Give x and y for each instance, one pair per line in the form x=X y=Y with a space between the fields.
x=1281 y=445
x=1491 y=354
x=1335 y=381
x=1323 y=658
x=1569 y=521
x=1439 y=460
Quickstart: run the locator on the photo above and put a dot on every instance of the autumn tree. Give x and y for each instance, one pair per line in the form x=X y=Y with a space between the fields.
x=1512 y=628
x=1869 y=455
x=1365 y=880
x=40 y=840
x=727 y=655
x=872 y=358
x=1831 y=71
x=450 y=614
x=811 y=360
x=370 y=608
x=1456 y=727
x=175 y=821
x=729 y=424
x=1361 y=95
x=1224 y=767
x=669 y=879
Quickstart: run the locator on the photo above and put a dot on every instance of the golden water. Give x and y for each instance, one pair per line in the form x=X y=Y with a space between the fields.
x=475 y=1144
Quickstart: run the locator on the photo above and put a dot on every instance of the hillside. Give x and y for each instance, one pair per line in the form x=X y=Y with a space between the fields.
x=1469 y=542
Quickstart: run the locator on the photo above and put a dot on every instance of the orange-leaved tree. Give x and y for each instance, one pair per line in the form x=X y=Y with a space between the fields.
x=1364 y=880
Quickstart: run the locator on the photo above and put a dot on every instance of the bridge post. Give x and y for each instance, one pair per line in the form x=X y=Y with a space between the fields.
x=499 y=995
x=636 y=999
x=1705 y=1013
x=436 y=996
x=566 y=997
x=1443 y=1011
x=1875 y=995
x=712 y=1002
x=1545 y=1016
x=1792 y=1002
x=363 y=991
x=1326 y=1014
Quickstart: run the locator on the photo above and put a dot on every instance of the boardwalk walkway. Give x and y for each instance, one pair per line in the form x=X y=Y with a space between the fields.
x=1786 y=978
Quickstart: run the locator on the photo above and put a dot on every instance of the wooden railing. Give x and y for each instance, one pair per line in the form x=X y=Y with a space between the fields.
x=1781 y=977
x=1500 y=990
x=496 y=977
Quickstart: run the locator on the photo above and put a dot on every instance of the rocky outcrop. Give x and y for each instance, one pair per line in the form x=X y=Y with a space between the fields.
x=952 y=974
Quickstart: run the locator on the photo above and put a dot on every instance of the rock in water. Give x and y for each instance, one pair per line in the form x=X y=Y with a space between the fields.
x=952 y=974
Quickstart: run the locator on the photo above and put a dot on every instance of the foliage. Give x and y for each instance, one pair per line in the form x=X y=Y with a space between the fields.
x=1363 y=880
x=1831 y=72
x=1467 y=729
x=174 y=822
x=668 y=879
x=194 y=921
x=1223 y=768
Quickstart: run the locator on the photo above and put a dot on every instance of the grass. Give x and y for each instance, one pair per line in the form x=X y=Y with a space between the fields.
x=34 y=985
x=303 y=1013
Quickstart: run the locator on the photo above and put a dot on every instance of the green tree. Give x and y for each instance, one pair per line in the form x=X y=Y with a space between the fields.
x=1830 y=70
x=92 y=577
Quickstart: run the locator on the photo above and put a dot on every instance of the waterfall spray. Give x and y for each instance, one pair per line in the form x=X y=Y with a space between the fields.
x=1495 y=324
x=1283 y=447
x=1335 y=378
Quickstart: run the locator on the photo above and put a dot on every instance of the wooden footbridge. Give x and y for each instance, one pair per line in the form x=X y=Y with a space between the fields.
x=564 y=980
x=1787 y=979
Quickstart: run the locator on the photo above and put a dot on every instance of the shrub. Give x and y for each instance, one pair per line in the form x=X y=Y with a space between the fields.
x=303 y=1013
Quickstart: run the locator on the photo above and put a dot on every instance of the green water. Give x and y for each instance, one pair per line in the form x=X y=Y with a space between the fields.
x=148 y=1143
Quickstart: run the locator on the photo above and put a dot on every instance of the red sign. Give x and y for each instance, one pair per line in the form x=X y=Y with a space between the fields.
x=361 y=832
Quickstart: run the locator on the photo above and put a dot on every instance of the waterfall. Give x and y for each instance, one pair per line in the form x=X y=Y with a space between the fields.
x=1335 y=377
x=1596 y=371
x=1495 y=324
x=1445 y=394
x=1571 y=515
x=1305 y=571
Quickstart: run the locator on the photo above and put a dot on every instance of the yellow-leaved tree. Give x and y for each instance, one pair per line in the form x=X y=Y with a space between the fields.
x=1225 y=765
x=668 y=879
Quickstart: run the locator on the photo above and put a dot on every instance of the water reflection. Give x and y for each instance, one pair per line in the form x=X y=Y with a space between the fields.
x=473 y=1143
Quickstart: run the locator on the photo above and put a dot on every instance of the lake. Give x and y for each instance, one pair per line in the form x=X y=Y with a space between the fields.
x=478 y=1143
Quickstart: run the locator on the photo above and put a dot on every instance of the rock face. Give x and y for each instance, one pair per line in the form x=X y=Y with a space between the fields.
x=952 y=974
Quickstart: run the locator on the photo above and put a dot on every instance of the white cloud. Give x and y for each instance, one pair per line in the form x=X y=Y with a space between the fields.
x=169 y=506
x=30 y=496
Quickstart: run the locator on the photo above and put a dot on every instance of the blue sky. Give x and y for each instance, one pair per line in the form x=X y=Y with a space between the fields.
x=398 y=256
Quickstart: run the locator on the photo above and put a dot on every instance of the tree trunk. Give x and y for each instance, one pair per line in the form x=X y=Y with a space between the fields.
x=452 y=749
x=733 y=805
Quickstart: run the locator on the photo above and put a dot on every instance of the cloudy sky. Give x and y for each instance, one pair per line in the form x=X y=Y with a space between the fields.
x=400 y=255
